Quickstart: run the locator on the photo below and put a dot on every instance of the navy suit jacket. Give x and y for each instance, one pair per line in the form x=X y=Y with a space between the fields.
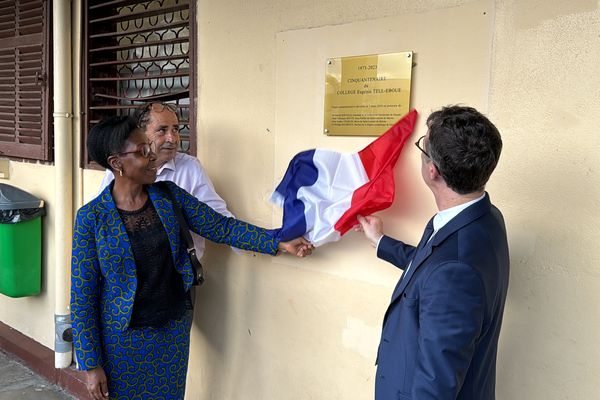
x=440 y=331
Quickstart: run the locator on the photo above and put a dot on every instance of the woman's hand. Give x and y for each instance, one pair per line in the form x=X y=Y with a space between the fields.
x=96 y=383
x=300 y=247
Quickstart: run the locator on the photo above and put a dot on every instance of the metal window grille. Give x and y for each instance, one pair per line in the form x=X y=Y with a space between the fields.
x=138 y=52
x=24 y=67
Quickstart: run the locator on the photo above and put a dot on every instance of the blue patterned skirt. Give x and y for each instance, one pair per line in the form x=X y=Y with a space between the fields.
x=148 y=363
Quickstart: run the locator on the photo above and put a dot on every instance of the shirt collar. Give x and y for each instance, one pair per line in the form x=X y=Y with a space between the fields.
x=169 y=165
x=445 y=216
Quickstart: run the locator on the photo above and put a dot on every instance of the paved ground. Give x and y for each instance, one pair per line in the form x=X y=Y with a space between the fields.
x=17 y=382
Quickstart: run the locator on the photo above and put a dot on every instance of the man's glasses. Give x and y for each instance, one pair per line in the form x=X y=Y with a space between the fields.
x=159 y=107
x=144 y=149
x=420 y=146
x=142 y=114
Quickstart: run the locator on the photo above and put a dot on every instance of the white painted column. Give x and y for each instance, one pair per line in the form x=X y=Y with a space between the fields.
x=63 y=161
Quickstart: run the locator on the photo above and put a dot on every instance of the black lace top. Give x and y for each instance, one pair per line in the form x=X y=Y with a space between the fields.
x=160 y=293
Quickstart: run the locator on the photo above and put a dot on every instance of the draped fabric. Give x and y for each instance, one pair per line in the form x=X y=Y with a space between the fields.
x=323 y=191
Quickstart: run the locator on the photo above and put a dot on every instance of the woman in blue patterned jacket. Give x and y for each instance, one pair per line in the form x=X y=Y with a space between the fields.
x=131 y=275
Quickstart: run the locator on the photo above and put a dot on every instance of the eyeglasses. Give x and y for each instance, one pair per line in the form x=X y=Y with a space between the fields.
x=159 y=107
x=142 y=114
x=420 y=146
x=144 y=149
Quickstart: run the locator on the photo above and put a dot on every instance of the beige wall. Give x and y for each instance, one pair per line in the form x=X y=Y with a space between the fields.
x=280 y=328
x=545 y=100
x=34 y=316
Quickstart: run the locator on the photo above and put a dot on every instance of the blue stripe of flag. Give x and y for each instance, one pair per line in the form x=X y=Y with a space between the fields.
x=300 y=172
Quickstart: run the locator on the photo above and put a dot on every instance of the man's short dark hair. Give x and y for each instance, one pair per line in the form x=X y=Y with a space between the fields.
x=465 y=147
x=108 y=137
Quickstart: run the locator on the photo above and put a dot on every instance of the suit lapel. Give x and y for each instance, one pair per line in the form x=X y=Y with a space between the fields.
x=465 y=217
x=116 y=229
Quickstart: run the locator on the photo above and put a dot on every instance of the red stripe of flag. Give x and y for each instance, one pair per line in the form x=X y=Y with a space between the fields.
x=378 y=159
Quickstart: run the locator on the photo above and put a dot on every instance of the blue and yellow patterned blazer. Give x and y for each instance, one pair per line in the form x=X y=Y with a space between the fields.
x=103 y=277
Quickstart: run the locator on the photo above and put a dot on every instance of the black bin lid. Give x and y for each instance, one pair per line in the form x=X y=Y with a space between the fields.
x=12 y=198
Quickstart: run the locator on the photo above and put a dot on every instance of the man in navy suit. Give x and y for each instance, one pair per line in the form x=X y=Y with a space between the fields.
x=440 y=331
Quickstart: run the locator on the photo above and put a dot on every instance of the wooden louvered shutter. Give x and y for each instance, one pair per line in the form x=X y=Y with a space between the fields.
x=24 y=64
x=138 y=51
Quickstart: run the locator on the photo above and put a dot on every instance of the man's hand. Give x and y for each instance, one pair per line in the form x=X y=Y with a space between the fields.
x=96 y=383
x=372 y=226
x=300 y=247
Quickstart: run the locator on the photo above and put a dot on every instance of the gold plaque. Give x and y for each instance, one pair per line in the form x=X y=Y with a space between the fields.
x=365 y=95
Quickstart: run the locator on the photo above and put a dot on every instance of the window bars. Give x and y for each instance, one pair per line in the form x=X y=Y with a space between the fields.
x=137 y=52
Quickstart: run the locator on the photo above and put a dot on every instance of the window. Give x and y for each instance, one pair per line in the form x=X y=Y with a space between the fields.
x=24 y=79
x=136 y=52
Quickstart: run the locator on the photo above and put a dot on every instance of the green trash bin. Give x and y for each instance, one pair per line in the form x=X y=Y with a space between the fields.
x=20 y=242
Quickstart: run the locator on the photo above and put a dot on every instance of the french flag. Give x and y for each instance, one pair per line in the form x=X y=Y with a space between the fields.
x=323 y=191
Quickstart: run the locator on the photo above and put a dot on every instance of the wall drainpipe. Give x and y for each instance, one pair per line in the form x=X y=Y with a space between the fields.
x=63 y=162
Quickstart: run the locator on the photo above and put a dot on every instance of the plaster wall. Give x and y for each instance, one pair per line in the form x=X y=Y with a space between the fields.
x=33 y=315
x=281 y=328
x=544 y=99
x=269 y=328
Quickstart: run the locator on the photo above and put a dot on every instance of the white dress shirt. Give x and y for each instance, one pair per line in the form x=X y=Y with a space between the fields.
x=187 y=172
x=445 y=216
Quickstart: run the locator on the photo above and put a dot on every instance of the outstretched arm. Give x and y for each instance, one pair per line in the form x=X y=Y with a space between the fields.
x=300 y=247
x=214 y=226
x=388 y=249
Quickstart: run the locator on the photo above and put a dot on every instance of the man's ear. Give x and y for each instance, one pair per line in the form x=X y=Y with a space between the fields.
x=432 y=170
x=115 y=163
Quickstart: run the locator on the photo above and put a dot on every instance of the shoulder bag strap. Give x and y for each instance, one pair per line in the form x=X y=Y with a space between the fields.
x=187 y=239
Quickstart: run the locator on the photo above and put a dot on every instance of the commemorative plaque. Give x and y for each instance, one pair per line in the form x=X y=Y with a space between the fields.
x=365 y=95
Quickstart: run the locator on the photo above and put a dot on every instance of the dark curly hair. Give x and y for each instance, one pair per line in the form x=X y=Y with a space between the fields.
x=108 y=137
x=465 y=147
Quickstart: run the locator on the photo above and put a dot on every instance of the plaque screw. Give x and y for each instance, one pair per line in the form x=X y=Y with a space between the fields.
x=408 y=55
x=328 y=62
x=326 y=130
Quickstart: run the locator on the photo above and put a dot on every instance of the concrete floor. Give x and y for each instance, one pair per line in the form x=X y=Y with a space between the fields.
x=17 y=382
